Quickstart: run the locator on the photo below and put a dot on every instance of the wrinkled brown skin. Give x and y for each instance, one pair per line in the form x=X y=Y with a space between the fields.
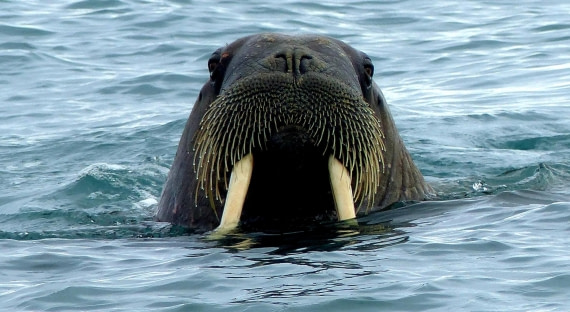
x=401 y=181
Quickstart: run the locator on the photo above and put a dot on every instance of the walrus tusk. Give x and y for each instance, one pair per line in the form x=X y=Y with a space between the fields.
x=237 y=190
x=342 y=191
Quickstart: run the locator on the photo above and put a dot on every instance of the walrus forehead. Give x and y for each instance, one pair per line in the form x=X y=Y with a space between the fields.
x=265 y=53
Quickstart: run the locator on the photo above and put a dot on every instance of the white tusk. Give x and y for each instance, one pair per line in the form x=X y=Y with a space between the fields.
x=237 y=190
x=342 y=190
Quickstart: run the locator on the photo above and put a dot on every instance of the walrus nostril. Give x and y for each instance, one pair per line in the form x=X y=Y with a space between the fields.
x=304 y=62
x=283 y=62
x=295 y=61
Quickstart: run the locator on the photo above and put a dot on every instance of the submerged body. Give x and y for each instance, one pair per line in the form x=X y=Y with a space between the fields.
x=288 y=129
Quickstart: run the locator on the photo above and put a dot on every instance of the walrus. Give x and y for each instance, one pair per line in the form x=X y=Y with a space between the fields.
x=288 y=130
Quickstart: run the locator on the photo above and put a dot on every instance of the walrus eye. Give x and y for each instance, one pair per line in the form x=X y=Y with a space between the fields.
x=212 y=66
x=217 y=68
x=213 y=63
x=368 y=71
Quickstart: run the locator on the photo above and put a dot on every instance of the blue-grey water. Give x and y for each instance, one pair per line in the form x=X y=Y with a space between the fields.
x=94 y=95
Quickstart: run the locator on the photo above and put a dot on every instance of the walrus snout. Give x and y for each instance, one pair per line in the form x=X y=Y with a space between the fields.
x=316 y=115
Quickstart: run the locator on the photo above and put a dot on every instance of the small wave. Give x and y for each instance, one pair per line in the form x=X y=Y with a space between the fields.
x=149 y=84
x=104 y=200
x=95 y=5
x=540 y=177
x=17 y=46
x=23 y=31
x=545 y=143
x=552 y=27
x=146 y=89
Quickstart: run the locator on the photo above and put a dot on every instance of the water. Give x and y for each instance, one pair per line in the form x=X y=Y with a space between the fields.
x=94 y=96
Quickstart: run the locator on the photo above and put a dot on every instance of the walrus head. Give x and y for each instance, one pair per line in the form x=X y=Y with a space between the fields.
x=287 y=128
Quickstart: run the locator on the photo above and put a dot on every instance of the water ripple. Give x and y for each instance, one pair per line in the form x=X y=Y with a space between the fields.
x=95 y=95
x=23 y=31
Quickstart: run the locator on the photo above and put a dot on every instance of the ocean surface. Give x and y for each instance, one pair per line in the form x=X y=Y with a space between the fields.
x=94 y=96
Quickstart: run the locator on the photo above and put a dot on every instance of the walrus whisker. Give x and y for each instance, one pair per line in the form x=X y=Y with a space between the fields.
x=358 y=153
x=321 y=136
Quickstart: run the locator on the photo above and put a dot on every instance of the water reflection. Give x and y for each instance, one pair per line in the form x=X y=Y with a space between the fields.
x=370 y=232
